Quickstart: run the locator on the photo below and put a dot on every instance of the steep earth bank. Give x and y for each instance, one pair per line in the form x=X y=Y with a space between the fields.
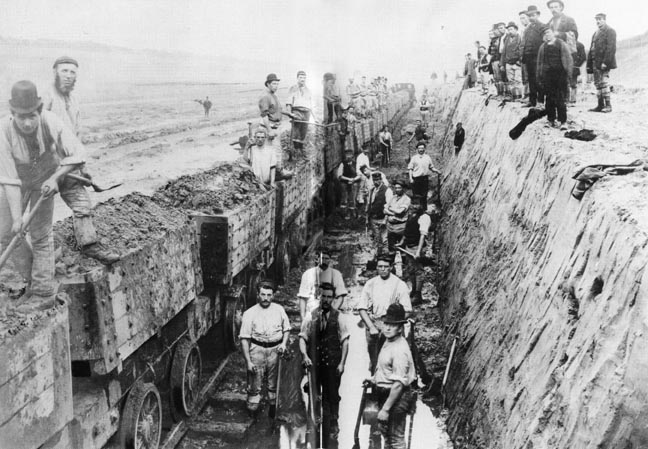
x=546 y=293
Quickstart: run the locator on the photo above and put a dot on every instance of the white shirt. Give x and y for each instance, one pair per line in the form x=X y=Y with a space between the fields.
x=421 y=165
x=378 y=294
x=300 y=97
x=265 y=324
x=362 y=159
x=313 y=278
x=262 y=161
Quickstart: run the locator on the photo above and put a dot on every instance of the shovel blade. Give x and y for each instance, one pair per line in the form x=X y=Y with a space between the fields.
x=96 y=188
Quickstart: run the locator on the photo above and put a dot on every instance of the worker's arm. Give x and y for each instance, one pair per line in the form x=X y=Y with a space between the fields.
x=245 y=346
x=284 y=341
x=345 y=352
x=273 y=171
x=50 y=186
x=373 y=330
x=15 y=206
x=394 y=396
x=302 y=306
x=304 y=352
x=420 y=246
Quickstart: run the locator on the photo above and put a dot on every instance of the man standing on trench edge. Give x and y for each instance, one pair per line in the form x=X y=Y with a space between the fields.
x=395 y=373
x=270 y=110
x=300 y=105
x=533 y=38
x=600 y=60
x=324 y=344
x=37 y=151
x=555 y=66
x=265 y=329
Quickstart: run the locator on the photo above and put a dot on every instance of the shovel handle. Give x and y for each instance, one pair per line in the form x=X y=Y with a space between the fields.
x=27 y=218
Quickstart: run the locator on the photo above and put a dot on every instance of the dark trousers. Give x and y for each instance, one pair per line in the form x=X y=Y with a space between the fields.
x=300 y=129
x=535 y=93
x=393 y=431
x=420 y=187
x=555 y=83
x=330 y=381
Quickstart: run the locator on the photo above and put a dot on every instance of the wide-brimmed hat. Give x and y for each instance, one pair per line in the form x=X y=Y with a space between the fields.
x=395 y=314
x=533 y=10
x=270 y=78
x=24 y=97
x=562 y=5
x=512 y=25
x=65 y=60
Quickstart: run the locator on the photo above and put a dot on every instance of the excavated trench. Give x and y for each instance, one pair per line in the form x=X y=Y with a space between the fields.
x=545 y=294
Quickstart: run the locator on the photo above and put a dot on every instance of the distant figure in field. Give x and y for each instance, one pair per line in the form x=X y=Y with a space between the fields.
x=206 y=104
x=469 y=72
x=601 y=59
x=460 y=136
x=555 y=65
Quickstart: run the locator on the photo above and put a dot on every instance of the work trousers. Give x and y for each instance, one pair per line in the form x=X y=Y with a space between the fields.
x=420 y=187
x=393 y=431
x=514 y=75
x=555 y=84
x=425 y=116
x=349 y=195
x=535 y=92
x=497 y=74
x=601 y=80
x=392 y=239
x=267 y=362
x=330 y=382
x=379 y=234
x=413 y=269
x=37 y=265
x=300 y=128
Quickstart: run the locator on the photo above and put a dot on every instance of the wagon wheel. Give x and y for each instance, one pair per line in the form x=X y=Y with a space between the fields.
x=234 y=308
x=141 y=422
x=186 y=369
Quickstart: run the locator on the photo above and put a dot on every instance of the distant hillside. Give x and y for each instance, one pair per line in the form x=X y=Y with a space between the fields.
x=104 y=68
x=632 y=59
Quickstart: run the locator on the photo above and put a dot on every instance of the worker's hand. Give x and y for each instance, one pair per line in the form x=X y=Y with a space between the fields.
x=373 y=330
x=411 y=180
x=417 y=255
x=49 y=187
x=251 y=368
x=307 y=362
x=368 y=383
x=17 y=225
x=603 y=66
x=281 y=349
x=340 y=369
x=383 y=415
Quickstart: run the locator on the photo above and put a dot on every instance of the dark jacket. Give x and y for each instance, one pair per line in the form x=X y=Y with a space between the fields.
x=579 y=58
x=532 y=41
x=560 y=28
x=460 y=135
x=602 y=50
x=493 y=49
x=512 y=52
x=565 y=58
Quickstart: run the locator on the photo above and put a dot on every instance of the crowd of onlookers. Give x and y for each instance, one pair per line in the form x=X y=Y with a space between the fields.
x=536 y=62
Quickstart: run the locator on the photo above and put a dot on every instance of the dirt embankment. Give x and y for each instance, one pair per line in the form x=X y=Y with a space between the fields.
x=547 y=293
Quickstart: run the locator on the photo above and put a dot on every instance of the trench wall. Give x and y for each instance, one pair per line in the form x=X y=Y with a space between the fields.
x=547 y=294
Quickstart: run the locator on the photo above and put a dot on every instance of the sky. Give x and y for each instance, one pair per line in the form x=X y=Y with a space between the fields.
x=403 y=39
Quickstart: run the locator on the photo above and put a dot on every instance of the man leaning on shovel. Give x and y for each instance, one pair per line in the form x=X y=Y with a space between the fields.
x=37 y=151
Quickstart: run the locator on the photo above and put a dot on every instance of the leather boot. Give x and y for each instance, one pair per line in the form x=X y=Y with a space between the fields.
x=607 y=107
x=101 y=253
x=600 y=106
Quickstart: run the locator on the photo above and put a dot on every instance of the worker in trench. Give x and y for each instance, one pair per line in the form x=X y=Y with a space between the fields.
x=414 y=239
x=324 y=345
x=393 y=378
x=265 y=329
x=37 y=151
x=312 y=278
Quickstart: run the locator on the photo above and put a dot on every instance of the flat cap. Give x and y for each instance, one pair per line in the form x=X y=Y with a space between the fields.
x=65 y=60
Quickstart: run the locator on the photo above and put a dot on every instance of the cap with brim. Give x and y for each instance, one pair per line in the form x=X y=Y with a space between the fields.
x=600 y=15
x=301 y=72
x=65 y=60
x=395 y=314
x=562 y=5
x=24 y=97
x=400 y=181
x=512 y=25
x=376 y=175
x=384 y=257
x=270 y=78
x=500 y=24
x=533 y=10
x=266 y=283
x=525 y=12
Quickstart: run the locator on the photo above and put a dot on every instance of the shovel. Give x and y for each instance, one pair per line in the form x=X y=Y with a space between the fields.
x=86 y=181
x=27 y=218
x=356 y=431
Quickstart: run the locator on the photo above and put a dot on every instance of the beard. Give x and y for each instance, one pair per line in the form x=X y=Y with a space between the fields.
x=64 y=88
x=323 y=266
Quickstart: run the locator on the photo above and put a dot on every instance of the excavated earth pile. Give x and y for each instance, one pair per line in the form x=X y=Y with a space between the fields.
x=226 y=186
x=547 y=293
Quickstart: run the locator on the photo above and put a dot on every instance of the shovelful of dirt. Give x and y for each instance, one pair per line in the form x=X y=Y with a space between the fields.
x=224 y=187
x=123 y=224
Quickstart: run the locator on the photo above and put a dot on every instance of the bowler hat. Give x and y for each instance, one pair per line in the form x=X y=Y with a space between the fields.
x=65 y=60
x=533 y=10
x=512 y=25
x=24 y=97
x=395 y=314
x=562 y=5
x=270 y=78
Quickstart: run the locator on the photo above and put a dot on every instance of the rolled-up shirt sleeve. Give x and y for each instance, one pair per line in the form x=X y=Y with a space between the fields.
x=305 y=331
x=8 y=173
x=365 y=300
x=70 y=149
x=285 y=321
x=246 y=326
x=400 y=368
x=264 y=106
x=343 y=330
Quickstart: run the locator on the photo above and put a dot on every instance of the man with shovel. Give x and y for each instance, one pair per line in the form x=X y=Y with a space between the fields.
x=37 y=152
